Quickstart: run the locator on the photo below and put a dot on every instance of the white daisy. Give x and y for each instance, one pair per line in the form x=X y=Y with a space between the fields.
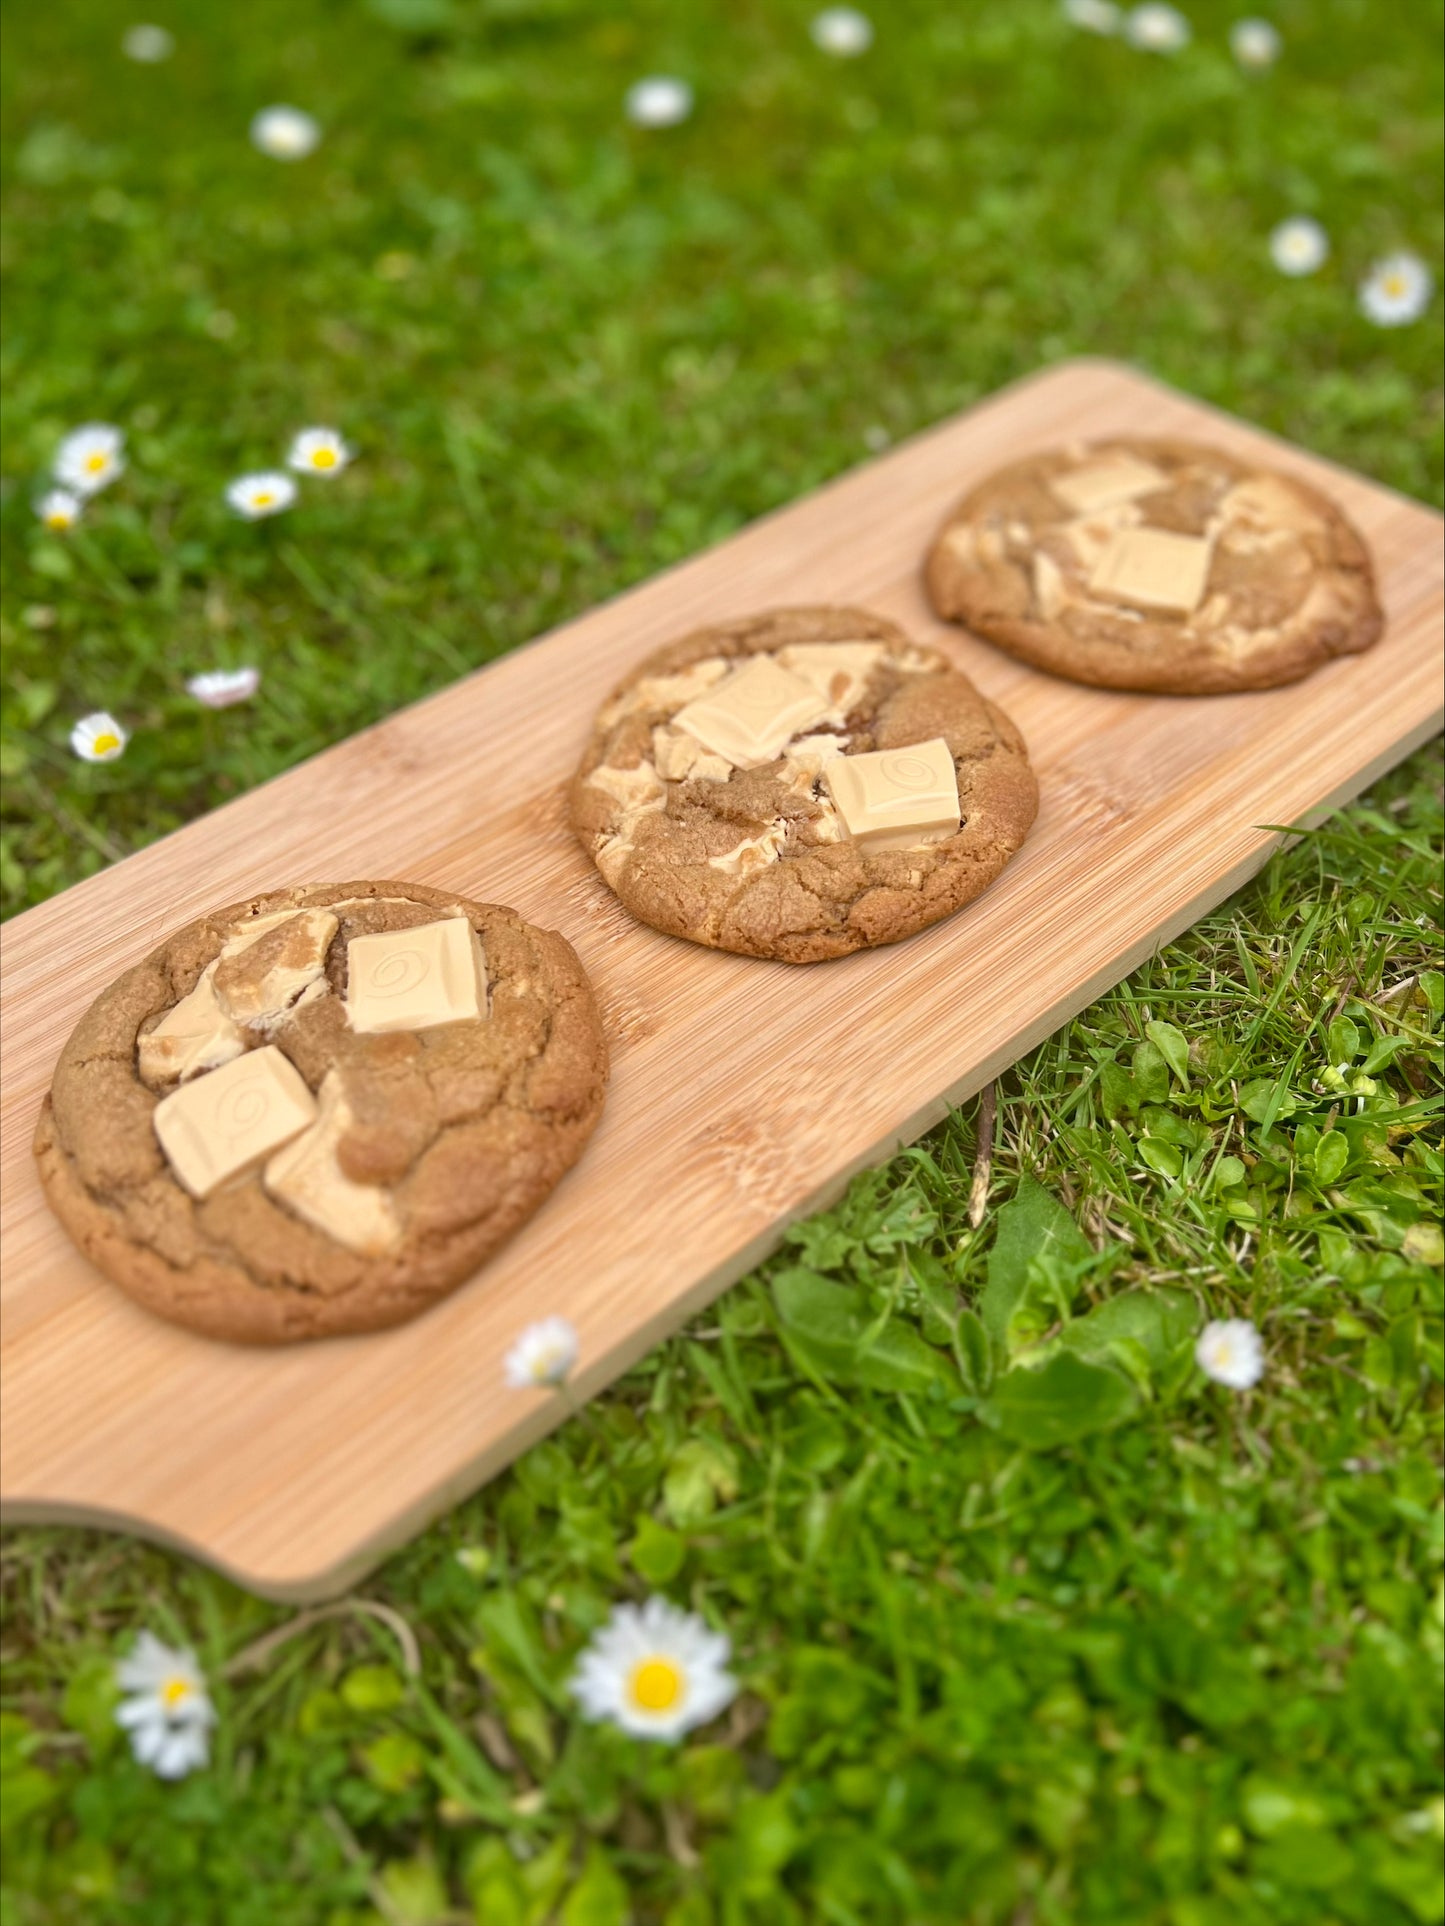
x=1254 y=43
x=147 y=44
x=90 y=457
x=1094 y=16
x=1157 y=28
x=256 y=496
x=98 y=738
x=59 y=508
x=1231 y=1352
x=544 y=1354
x=318 y=451
x=656 y=1672
x=1396 y=290
x=1299 y=245
x=842 y=31
x=285 y=133
x=220 y=688
x=660 y=100
x=167 y=1710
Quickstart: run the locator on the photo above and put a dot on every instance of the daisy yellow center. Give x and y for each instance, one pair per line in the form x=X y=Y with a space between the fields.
x=1394 y=284
x=58 y=518
x=264 y=499
x=174 y=1690
x=94 y=463
x=324 y=458
x=103 y=745
x=656 y=1684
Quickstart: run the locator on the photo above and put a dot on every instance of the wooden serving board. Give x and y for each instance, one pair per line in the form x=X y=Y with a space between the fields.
x=744 y=1093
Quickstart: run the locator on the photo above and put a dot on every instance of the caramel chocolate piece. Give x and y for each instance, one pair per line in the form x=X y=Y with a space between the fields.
x=749 y=717
x=195 y=1035
x=308 y=1177
x=1154 y=568
x=219 y=1125
x=416 y=979
x=896 y=798
x=1106 y=483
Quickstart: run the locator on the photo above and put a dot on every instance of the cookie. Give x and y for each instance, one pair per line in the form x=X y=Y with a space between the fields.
x=1157 y=565
x=799 y=785
x=318 y=1110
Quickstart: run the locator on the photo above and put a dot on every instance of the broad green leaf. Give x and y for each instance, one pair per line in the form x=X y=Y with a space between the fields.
x=702 y=1474
x=1149 y=1335
x=372 y=1688
x=1172 y=1045
x=1424 y=1244
x=1156 y=1120
x=1158 y=1155
x=1228 y=1172
x=413 y=16
x=599 y=1898
x=656 y=1552
x=1033 y=1228
x=765 y=1833
x=1159 y=1322
x=1332 y=1153
x=1417 y=1882
x=1383 y=1052
x=1343 y=1040
x=88 y=1706
x=415 y=1892
x=975 y=1354
x=1267 y=1100
x=1272 y=1805
x=1116 y=1090
x=833 y=1330
x=394 y=1761
x=1063 y=1400
x=1151 y=1072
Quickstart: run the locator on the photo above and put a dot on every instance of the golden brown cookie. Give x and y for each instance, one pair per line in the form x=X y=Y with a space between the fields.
x=800 y=784
x=319 y=1110
x=1159 y=565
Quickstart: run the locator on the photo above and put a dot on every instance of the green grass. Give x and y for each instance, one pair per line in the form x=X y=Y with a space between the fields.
x=1181 y=1669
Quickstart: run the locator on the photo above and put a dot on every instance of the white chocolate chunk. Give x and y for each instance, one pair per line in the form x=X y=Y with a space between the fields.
x=1049 y=590
x=636 y=789
x=666 y=692
x=195 y=1035
x=416 y=979
x=753 y=852
x=251 y=928
x=749 y=717
x=896 y=798
x=1113 y=478
x=217 y=1126
x=611 y=856
x=839 y=671
x=805 y=756
x=260 y=981
x=307 y=1177
x=710 y=768
x=673 y=752
x=1154 y=568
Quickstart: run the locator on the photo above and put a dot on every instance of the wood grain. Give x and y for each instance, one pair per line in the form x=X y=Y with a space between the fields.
x=744 y=1094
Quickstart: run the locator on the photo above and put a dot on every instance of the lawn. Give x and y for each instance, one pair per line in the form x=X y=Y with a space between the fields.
x=1182 y=1668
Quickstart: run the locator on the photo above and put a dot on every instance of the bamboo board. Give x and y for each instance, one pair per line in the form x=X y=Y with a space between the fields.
x=744 y=1093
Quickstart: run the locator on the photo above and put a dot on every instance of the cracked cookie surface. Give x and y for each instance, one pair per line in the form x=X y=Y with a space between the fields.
x=427 y=1147
x=1157 y=565
x=757 y=859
